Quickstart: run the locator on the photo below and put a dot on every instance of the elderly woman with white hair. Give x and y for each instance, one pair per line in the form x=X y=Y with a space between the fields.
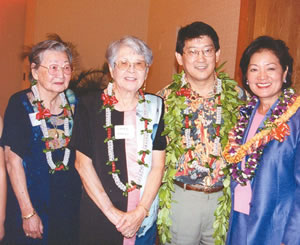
x=44 y=188
x=120 y=151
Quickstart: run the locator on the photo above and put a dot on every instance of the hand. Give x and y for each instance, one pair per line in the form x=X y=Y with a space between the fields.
x=2 y=231
x=33 y=227
x=114 y=215
x=131 y=222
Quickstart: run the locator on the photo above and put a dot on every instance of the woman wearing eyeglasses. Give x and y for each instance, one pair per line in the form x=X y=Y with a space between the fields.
x=37 y=129
x=120 y=151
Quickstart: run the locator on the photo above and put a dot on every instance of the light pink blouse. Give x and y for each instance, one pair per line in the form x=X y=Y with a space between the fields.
x=243 y=194
x=132 y=167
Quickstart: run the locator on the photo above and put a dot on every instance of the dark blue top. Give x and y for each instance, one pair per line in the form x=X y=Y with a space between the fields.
x=55 y=197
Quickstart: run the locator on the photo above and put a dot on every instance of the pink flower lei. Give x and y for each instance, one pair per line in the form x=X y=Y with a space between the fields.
x=109 y=100
x=255 y=152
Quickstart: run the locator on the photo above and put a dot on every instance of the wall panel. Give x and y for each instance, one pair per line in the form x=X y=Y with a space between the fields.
x=91 y=24
x=166 y=17
x=280 y=19
x=12 y=29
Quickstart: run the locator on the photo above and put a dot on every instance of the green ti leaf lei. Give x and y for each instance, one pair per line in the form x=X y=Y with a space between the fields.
x=173 y=127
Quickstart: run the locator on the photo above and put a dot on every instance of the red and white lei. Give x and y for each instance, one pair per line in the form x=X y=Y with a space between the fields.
x=186 y=92
x=44 y=114
x=108 y=104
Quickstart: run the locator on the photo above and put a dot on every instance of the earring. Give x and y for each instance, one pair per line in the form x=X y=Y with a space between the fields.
x=284 y=81
x=247 y=82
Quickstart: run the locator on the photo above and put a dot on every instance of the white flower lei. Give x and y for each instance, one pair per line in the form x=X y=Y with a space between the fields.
x=187 y=131
x=44 y=129
x=110 y=146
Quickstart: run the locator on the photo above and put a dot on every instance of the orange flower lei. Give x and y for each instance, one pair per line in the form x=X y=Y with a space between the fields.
x=277 y=130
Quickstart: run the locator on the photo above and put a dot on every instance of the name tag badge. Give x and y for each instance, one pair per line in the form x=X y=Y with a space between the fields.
x=124 y=131
x=34 y=121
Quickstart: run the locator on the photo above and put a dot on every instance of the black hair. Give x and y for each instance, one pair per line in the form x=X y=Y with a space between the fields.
x=195 y=30
x=277 y=47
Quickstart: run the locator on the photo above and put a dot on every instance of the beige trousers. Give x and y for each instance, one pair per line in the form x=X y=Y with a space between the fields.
x=193 y=216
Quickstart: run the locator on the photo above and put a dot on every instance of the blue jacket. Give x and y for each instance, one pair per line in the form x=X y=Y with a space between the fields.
x=275 y=206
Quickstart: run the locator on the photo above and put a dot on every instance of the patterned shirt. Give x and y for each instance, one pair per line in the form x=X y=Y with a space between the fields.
x=204 y=113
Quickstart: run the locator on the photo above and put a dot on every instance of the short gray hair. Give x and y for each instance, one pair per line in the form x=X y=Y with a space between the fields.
x=139 y=46
x=36 y=53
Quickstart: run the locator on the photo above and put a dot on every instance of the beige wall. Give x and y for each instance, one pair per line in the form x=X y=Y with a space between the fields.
x=12 y=18
x=90 y=24
x=93 y=24
x=166 y=17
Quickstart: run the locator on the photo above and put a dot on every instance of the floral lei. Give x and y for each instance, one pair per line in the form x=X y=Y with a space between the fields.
x=275 y=128
x=44 y=114
x=109 y=100
x=185 y=91
x=177 y=118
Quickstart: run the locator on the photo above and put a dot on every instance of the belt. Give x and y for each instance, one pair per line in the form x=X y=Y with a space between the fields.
x=200 y=188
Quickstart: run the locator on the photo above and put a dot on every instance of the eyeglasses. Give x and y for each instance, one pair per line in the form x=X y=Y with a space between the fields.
x=125 y=64
x=54 y=69
x=194 y=53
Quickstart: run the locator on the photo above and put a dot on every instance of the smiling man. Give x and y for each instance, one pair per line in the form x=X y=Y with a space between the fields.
x=195 y=106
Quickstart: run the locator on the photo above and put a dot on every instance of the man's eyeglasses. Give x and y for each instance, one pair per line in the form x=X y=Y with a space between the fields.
x=194 y=53
x=54 y=69
x=125 y=64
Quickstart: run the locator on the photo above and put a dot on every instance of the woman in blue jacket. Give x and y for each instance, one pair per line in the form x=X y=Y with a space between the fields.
x=263 y=151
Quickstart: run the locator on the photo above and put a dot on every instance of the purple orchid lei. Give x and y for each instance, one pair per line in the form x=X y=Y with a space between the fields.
x=242 y=176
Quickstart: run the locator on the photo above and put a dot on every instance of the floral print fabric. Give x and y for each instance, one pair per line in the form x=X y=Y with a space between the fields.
x=202 y=137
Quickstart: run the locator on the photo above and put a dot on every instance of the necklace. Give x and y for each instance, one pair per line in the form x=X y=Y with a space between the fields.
x=227 y=103
x=109 y=100
x=44 y=114
x=275 y=128
x=187 y=114
x=53 y=121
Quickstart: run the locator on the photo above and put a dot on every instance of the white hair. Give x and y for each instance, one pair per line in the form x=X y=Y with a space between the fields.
x=139 y=46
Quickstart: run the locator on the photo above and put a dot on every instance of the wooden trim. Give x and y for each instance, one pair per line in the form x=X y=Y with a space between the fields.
x=245 y=34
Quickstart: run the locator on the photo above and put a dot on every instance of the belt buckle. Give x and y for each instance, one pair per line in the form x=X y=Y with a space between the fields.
x=207 y=189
